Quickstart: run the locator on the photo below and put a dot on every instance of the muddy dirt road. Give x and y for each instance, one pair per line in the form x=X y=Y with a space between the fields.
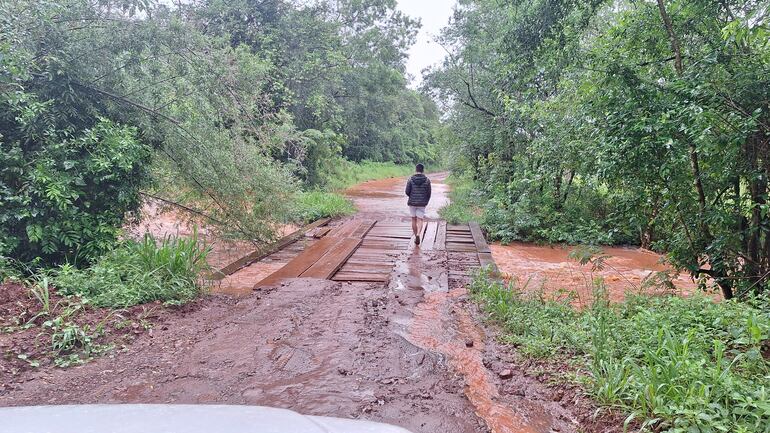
x=411 y=352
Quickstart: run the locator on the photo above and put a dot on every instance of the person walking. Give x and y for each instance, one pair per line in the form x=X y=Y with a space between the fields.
x=418 y=191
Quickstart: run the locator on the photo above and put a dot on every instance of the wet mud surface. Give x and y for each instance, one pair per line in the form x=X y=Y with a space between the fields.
x=413 y=352
x=386 y=197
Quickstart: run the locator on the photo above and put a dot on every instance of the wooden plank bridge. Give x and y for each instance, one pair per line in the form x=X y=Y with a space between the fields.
x=367 y=250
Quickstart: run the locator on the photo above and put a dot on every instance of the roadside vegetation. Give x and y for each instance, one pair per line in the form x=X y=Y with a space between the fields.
x=673 y=364
x=349 y=173
x=227 y=108
x=314 y=205
x=641 y=123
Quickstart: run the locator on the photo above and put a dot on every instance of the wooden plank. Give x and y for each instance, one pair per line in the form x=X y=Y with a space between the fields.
x=375 y=278
x=322 y=232
x=452 y=227
x=356 y=260
x=455 y=247
x=440 y=243
x=302 y=262
x=261 y=253
x=327 y=265
x=486 y=261
x=373 y=234
x=345 y=229
x=366 y=267
x=478 y=238
x=363 y=229
x=429 y=240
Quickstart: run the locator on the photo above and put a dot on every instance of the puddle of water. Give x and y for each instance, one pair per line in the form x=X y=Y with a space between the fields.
x=550 y=269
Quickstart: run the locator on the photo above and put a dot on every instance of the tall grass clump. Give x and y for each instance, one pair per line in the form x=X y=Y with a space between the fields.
x=137 y=272
x=674 y=364
x=464 y=201
x=316 y=204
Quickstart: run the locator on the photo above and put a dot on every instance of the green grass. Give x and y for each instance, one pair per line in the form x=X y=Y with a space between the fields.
x=314 y=205
x=166 y=270
x=352 y=173
x=463 y=203
x=674 y=364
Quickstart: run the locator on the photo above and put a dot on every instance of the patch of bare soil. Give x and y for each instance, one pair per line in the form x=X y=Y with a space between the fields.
x=315 y=346
x=28 y=331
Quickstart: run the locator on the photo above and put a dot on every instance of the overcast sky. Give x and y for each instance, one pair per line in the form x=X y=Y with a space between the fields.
x=434 y=15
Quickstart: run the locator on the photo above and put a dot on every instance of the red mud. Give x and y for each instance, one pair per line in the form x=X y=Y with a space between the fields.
x=549 y=269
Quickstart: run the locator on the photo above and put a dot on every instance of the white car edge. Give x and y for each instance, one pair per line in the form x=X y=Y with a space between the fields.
x=175 y=418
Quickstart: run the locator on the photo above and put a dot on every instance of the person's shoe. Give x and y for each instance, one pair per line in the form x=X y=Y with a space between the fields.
x=417 y=239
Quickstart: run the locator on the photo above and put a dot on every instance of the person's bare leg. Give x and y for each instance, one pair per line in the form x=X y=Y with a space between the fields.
x=420 y=226
x=414 y=226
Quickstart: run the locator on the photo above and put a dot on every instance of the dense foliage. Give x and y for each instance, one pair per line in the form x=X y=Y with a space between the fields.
x=674 y=364
x=643 y=122
x=235 y=104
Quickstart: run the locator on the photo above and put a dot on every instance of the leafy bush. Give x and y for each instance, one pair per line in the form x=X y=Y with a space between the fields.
x=679 y=364
x=64 y=197
x=313 y=205
x=138 y=272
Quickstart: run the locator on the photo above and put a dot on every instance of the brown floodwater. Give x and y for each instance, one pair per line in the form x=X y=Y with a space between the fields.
x=549 y=269
x=164 y=221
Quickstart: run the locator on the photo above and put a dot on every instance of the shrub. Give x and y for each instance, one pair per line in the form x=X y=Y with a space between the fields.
x=138 y=272
x=64 y=197
x=464 y=202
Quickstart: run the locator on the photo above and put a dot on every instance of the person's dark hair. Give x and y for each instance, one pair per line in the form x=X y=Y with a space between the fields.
x=420 y=168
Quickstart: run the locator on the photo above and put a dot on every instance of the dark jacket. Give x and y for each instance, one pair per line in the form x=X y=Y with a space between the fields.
x=418 y=190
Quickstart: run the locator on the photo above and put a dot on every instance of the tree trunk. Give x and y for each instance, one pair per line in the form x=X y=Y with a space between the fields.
x=569 y=185
x=557 y=190
x=672 y=36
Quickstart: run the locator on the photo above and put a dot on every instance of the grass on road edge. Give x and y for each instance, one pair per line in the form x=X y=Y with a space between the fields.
x=673 y=364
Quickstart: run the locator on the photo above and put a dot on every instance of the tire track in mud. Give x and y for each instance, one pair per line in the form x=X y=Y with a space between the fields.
x=441 y=323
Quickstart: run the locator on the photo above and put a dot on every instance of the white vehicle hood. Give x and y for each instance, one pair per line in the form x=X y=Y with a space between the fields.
x=162 y=418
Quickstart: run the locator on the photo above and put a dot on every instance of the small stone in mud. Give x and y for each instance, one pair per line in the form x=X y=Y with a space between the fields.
x=558 y=395
x=468 y=343
x=342 y=371
x=505 y=374
x=421 y=358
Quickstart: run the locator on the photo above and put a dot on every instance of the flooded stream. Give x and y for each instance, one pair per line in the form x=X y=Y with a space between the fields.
x=550 y=269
